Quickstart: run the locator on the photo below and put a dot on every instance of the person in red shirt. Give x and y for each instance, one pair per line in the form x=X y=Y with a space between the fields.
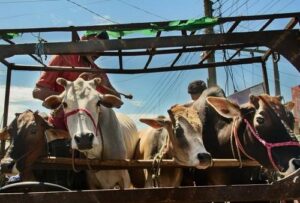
x=47 y=86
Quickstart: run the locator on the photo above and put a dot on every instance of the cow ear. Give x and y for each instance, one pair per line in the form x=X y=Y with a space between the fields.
x=110 y=101
x=224 y=107
x=279 y=98
x=61 y=81
x=52 y=102
x=155 y=122
x=151 y=122
x=254 y=100
x=56 y=134
x=289 y=106
x=4 y=135
x=39 y=119
x=97 y=81
x=17 y=114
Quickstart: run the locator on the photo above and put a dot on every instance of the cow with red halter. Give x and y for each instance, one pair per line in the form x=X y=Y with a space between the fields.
x=95 y=129
x=258 y=130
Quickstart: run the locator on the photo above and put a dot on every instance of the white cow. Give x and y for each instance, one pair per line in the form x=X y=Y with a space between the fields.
x=95 y=129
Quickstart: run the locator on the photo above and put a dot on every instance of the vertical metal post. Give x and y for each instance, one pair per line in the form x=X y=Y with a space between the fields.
x=6 y=105
x=212 y=75
x=265 y=76
x=276 y=57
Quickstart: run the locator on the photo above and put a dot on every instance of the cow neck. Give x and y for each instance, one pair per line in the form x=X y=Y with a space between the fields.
x=236 y=124
x=250 y=130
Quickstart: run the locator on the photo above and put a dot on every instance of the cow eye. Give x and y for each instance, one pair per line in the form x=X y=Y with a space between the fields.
x=99 y=103
x=178 y=131
x=260 y=120
x=65 y=105
x=33 y=131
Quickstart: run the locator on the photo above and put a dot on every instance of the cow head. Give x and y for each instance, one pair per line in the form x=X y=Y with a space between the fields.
x=185 y=136
x=269 y=138
x=28 y=144
x=82 y=105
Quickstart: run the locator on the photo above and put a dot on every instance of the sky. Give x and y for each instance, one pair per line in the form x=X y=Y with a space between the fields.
x=154 y=93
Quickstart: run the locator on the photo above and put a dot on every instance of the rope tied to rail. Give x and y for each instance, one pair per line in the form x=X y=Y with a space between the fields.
x=157 y=160
x=156 y=169
x=39 y=48
x=232 y=135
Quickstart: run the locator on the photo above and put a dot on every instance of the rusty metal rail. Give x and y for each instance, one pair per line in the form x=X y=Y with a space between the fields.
x=285 y=189
x=66 y=163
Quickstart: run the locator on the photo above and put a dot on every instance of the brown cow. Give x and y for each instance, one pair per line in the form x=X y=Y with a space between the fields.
x=258 y=130
x=159 y=141
x=32 y=138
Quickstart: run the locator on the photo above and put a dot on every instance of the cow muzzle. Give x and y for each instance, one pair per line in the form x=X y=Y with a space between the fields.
x=296 y=163
x=6 y=165
x=205 y=160
x=84 y=141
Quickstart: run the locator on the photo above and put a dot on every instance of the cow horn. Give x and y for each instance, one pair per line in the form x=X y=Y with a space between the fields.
x=115 y=92
x=61 y=81
x=84 y=75
x=4 y=135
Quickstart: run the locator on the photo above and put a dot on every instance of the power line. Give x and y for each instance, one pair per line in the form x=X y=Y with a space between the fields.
x=43 y=13
x=156 y=94
x=143 y=10
x=85 y=8
x=286 y=5
x=29 y=1
x=271 y=5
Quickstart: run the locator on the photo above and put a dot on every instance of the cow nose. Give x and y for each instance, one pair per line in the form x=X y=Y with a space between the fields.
x=204 y=157
x=6 y=165
x=84 y=140
x=296 y=163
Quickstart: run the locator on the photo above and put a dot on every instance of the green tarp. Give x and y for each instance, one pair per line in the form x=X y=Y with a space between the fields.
x=190 y=25
x=9 y=35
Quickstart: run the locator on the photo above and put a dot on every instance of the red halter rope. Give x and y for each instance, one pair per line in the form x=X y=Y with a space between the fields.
x=266 y=144
x=75 y=111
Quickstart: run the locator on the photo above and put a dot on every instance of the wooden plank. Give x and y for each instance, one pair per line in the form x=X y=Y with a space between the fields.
x=31 y=55
x=286 y=189
x=133 y=26
x=180 y=50
x=136 y=71
x=5 y=62
x=89 y=47
x=234 y=25
x=151 y=53
x=291 y=24
x=230 y=30
x=241 y=48
x=120 y=57
x=6 y=105
x=265 y=77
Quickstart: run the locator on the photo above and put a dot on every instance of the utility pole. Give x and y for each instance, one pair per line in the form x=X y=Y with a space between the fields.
x=212 y=76
x=275 y=59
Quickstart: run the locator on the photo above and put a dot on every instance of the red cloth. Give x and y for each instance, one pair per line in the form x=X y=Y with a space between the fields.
x=48 y=80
